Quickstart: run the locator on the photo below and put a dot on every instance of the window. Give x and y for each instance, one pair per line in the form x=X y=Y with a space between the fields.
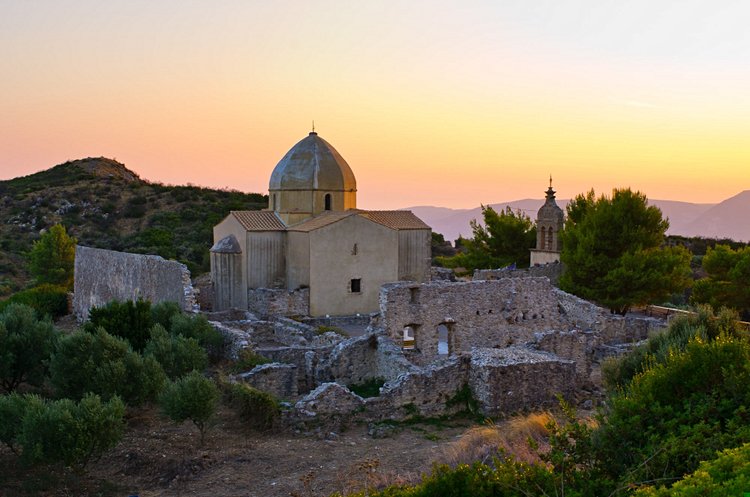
x=549 y=239
x=275 y=203
x=407 y=342
x=328 y=202
x=543 y=238
x=414 y=295
x=356 y=285
x=443 y=348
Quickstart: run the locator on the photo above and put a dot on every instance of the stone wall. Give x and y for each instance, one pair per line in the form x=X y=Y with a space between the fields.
x=266 y=302
x=105 y=275
x=280 y=380
x=553 y=271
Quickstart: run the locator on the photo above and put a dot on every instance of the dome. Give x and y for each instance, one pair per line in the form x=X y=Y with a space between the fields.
x=550 y=211
x=312 y=164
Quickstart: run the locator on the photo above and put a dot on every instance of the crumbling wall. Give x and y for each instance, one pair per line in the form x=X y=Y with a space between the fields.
x=509 y=380
x=105 y=275
x=277 y=379
x=266 y=302
x=553 y=271
x=363 y=358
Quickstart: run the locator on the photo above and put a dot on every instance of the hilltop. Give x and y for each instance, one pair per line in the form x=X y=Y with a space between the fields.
x=104 y=204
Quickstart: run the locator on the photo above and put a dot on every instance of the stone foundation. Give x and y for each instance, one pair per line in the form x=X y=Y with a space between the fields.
x=266 y=302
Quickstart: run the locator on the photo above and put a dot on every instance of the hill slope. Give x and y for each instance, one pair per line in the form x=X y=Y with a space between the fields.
x=104 y=204
x=730 y=218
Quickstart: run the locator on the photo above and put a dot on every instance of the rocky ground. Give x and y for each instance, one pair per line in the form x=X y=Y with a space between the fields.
x=158 y=458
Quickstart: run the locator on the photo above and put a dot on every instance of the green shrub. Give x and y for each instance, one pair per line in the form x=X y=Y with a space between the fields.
x=259 y=409
x=105 y=365
x=13 y=408
x=163 y=312
x=198 y=327
x=69 y=432
x=44 y=299
x=679 y=412
x=193 y=397
x=176 y=354
x=129 y=320
x=26 y=344
x=247 y=359
x=726 y=475
x=52 y=256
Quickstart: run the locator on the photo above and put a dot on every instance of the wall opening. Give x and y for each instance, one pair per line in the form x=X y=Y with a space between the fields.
x=443 y=345
x=543 y=238
x=414 y=295
x=327 y=202
x=549 y=239
x=275 y=203
x=409 y=337
x=355 y=286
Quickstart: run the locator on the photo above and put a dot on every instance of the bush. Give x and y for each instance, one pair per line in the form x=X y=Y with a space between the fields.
x=105 y=365
x=13 y=408
x=176 y=354
x=259 y=409
x=368 y=388
x=163 y=312
x=679 y=412
x=52 y=256
x=727 y=474
x=44 y=299
x=26 y=344
x=69 y=432
x=129 y=320
x=198 y=327
x=193 y=397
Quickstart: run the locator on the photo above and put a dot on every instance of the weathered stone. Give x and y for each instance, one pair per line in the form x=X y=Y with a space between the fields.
x=266 y=302
x=552 y=271
x=329 y=399
x=105 y=275
x=275 y=378
x=513 y=379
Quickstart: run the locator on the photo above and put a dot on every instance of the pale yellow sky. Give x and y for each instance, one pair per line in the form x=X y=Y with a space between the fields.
x=441 y=102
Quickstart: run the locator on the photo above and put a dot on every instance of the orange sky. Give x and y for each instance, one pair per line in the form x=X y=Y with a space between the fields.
x=441 y=103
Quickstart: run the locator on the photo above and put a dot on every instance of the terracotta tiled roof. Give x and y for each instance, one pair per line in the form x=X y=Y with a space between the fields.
x=323 y=220
x=259 y=220
x=397 y=220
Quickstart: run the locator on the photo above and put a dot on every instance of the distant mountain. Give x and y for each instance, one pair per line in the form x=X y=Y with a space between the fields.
x=728 y=219
x=104 y=204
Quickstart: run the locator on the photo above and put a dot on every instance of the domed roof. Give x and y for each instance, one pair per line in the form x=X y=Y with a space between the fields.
x=312 y=164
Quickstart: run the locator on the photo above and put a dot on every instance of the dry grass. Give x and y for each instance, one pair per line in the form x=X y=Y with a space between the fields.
x=482 y=443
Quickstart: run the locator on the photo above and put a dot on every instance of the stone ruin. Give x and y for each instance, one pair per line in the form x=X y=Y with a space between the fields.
x=515 y=344
x=104 y=275
x=507 y=341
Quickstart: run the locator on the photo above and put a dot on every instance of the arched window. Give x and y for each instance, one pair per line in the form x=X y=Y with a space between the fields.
x=443 y=348
x=328 y=201
x=543 y=238
x=549 y=239
x=275 y=203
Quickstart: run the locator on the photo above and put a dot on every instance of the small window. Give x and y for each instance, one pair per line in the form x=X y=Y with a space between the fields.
x=443 y=348
x=275 y=203
x=414 y=295
x=328 y=201
x=356 y=285
x=407 y=342
x=549 y=239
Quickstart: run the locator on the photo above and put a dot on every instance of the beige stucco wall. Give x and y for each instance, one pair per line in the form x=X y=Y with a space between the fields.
x=414 y=255
x=294 y=206
x=333 y=265
x=265 y=259
x=297 y=260
x=230 y=226
x=544 y=257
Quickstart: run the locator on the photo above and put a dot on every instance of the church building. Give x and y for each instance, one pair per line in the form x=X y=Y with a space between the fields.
x=549 y=223
x=312 y=240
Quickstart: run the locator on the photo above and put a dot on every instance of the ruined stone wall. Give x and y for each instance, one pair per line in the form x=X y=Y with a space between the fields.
x=267 y=302
x=280 y=380
x=553 y=271
x=105 y=275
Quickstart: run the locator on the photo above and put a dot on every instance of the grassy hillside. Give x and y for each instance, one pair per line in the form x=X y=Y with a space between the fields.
x=105 y=205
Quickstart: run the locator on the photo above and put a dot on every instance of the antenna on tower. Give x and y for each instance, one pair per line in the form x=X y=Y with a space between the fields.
x=313 y=126
x=550 y=181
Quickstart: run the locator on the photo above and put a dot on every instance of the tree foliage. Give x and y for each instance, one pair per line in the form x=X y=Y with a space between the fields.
x=105 y=365
x=129 y=320
x=613 y=253
x=73 y=433
x=26 y=344
x=193 y=397
x=258 y=409
x=503 y=239
x=52 y=257
x=728 y=273
x=177 y=354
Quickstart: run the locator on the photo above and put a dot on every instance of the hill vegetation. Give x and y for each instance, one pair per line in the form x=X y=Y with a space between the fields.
x=105 y=205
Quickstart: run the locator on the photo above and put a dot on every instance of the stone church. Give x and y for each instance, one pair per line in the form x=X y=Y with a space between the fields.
x=313 y=243
x=549 y=222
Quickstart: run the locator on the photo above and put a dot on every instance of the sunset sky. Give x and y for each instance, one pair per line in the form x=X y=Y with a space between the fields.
x=430 y=102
